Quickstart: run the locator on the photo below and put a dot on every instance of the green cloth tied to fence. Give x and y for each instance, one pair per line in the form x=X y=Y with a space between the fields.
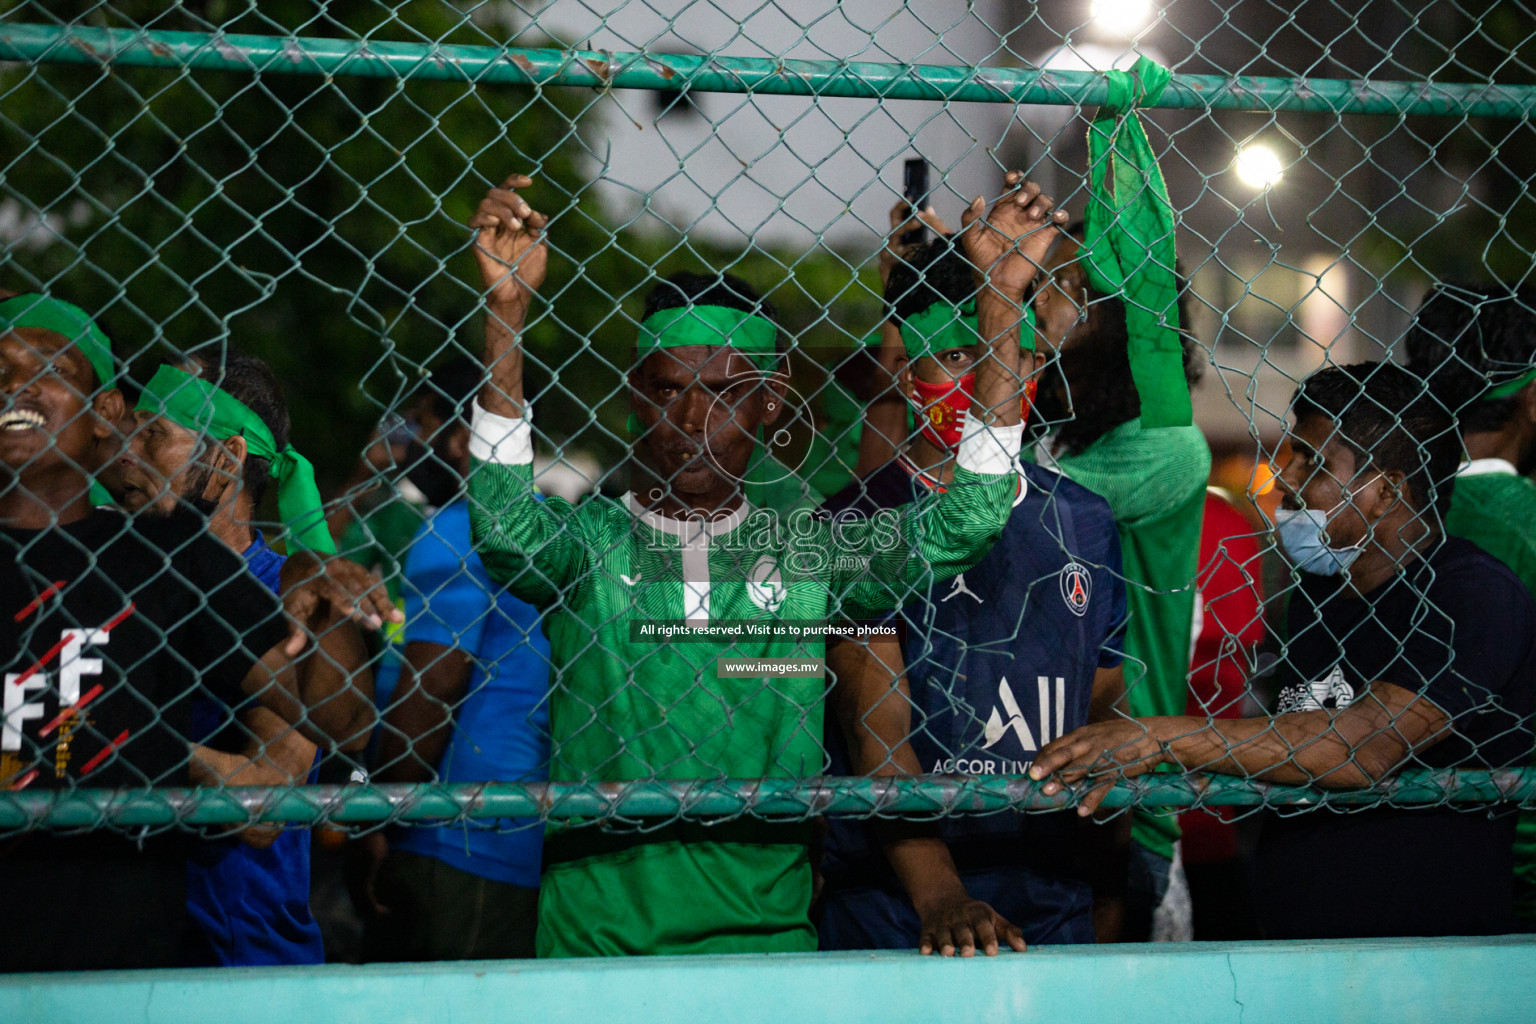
x=1128 y=247
x=200 y=405
x=60 y=317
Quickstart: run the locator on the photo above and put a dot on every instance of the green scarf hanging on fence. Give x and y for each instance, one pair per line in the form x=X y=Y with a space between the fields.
x=200 y=405
x=1128 y=247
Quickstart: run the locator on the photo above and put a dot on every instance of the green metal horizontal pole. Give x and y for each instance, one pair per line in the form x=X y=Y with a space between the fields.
x=675 y=73
x=772 y=798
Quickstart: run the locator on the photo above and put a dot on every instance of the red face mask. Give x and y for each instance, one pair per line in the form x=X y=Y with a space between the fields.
x=941 y=408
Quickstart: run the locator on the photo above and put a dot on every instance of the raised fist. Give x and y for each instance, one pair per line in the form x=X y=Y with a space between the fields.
x=1008 y=245
x=510 y=247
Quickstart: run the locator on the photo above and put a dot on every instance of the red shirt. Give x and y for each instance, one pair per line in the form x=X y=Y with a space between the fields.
x=1228 y=622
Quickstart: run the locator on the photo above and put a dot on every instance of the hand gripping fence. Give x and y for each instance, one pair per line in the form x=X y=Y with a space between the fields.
x=294 y=183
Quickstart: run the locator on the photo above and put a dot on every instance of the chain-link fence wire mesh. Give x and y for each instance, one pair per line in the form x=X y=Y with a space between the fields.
x=293 y=181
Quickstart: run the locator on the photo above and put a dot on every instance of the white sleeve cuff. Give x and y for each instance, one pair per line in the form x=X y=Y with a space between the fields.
x=501 y=439
x=990 y=450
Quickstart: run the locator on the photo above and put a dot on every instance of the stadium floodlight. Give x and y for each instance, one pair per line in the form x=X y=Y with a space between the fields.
x=1258 y=165
x=1122 y=16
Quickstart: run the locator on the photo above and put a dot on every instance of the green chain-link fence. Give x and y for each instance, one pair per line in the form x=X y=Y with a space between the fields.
x=294 y=181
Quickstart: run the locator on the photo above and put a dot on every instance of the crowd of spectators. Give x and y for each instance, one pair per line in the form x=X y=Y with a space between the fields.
x=1068 y=602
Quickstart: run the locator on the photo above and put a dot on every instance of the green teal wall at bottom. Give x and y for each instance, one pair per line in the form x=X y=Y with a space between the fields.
x=1400 y=980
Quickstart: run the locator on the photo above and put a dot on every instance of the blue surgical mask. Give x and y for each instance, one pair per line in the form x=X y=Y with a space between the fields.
x=1304 y=537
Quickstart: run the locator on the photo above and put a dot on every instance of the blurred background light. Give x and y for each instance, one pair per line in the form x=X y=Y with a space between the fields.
x=1258 y=166
x=1123 y=16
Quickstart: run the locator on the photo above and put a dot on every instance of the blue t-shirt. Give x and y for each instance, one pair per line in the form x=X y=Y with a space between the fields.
x=501 y=728
x=251 y=907
x=1000 y=661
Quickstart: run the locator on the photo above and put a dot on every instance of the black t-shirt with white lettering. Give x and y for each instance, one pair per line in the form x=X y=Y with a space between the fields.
x=1459 y=628
x=110 y=629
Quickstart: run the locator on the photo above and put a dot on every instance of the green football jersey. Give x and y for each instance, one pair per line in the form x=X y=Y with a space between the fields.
x=629 y=704
x=1495 y=507
x=1154 y=481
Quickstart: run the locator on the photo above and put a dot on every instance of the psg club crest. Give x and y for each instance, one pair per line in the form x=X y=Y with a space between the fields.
x=1076 y=587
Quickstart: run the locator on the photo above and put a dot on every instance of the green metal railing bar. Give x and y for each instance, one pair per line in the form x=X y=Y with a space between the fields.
x=763 y=798
x=760 y=75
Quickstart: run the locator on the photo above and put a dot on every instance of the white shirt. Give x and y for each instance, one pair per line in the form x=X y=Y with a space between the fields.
x=1479 y=467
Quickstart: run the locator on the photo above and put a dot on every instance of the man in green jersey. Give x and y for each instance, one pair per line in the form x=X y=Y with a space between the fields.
x=1475 y=349
x=1154 y=481
x=686 y=547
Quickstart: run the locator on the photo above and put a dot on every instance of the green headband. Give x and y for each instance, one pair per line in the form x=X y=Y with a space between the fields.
x=1509 y=387
x=943 y=326
x=752 y=335
x=64 y=318
x=1128 y=245
x=200 y=405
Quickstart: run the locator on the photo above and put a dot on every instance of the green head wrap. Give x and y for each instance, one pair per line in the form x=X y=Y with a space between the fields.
x=64 y=318
x=1509 y=387
x=752 y=335
x=200 y=405
x=1128 y=247
x=943 y=326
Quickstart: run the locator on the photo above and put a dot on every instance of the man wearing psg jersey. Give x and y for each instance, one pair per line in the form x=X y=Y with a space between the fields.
x=994 y=664
x=109 y=629
x=1408 y=648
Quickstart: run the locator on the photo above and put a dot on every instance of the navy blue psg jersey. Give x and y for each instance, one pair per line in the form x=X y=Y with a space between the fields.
x=1000 y=661
x=1001 y=658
